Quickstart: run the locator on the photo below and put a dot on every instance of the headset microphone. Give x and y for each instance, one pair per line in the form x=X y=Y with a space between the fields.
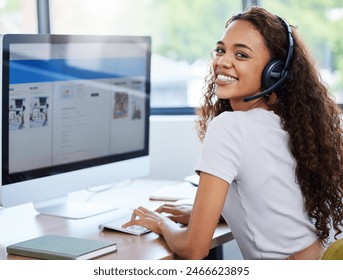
x=275 y=73
x=267 y=91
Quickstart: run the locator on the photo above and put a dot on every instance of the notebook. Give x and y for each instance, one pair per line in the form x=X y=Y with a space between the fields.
x=193 y=179
x=175 y=192
x=56 y=247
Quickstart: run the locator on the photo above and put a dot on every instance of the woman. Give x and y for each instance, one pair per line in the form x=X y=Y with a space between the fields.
x=271 y=159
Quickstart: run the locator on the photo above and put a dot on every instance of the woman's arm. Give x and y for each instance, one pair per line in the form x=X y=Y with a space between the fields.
x=194 y=241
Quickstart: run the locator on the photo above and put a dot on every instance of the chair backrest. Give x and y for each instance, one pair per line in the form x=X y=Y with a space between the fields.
x=334 y=251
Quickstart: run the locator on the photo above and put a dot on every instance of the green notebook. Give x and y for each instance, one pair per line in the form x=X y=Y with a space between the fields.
x=55 y=247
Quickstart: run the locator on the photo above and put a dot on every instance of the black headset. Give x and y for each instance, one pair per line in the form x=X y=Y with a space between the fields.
x=276 y=71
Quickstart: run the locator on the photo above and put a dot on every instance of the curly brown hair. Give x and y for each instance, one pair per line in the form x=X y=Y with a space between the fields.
x=309 y=115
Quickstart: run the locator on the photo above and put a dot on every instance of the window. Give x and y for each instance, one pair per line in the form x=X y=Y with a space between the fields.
x=320 y=24
x=18 y=16
x=183 y=35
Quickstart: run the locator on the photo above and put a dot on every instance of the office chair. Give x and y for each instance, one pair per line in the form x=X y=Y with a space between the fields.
x=334 y=251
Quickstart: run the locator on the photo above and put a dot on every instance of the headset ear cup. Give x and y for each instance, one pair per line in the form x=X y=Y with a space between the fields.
x=272 y=73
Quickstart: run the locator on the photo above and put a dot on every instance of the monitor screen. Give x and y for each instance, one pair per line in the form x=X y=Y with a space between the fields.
x=72 y=103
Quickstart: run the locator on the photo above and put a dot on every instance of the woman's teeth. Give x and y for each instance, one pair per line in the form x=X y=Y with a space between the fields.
x=226 y=78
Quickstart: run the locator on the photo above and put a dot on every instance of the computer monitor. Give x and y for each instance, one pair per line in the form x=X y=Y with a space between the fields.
x=75 y=114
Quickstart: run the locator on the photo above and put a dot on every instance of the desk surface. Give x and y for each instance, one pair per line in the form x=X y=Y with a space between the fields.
x=23 y=222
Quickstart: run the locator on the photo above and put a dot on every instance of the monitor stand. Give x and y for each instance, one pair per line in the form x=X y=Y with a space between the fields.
x=64 y=207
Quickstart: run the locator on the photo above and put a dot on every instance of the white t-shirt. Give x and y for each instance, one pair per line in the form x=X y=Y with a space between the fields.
x=264 y=206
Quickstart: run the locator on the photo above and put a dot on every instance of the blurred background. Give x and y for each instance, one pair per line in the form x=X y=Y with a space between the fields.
x=183 y=32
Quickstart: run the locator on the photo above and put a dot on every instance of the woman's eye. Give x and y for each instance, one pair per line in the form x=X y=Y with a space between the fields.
x=219 y=51
x=241 y=55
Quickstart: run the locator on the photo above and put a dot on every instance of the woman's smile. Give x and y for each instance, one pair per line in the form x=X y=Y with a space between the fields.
x=224 y=79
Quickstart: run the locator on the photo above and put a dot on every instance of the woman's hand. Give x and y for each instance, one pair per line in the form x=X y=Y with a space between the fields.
x=148 y=219
x=179 y=213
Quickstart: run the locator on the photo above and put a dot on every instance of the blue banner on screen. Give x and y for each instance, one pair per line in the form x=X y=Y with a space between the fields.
x=31 y=71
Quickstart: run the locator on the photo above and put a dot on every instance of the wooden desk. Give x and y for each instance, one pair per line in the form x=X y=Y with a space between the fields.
x=23 y=222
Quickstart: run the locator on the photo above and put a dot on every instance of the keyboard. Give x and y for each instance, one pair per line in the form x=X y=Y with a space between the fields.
x=116 y=224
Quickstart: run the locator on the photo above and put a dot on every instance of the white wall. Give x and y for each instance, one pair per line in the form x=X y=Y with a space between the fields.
x=174 y=151
x=174 y=147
